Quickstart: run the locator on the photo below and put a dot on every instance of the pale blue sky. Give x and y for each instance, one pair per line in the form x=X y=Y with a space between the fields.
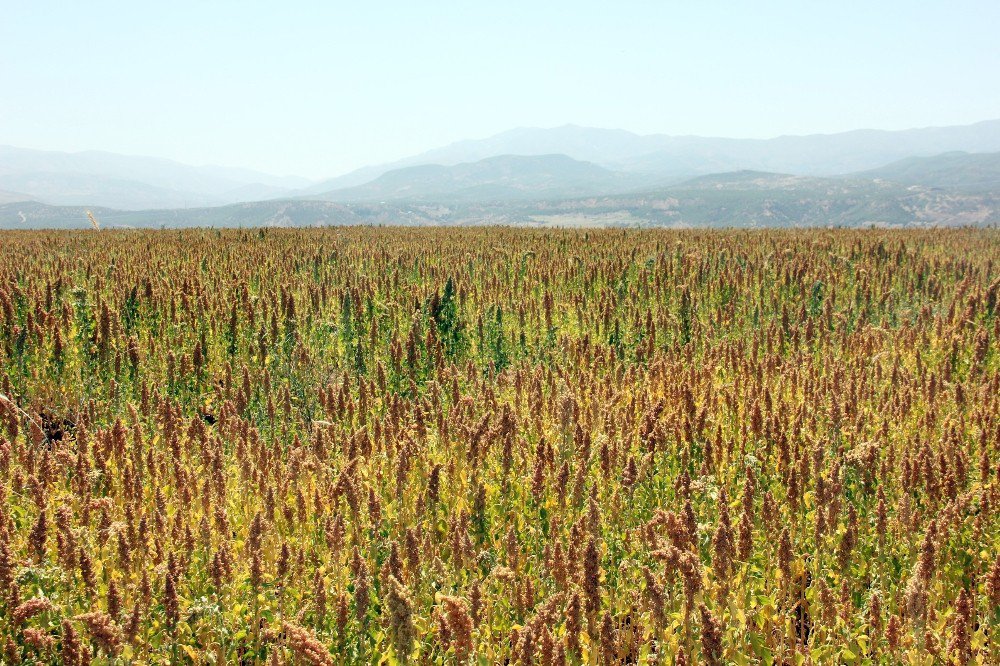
x=317 y=89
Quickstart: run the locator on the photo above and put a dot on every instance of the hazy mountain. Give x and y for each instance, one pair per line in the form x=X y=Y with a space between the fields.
x=757 y=199
x=601 y=177
x=11 y=197
x=740 y=199
x=122 y=181
x=70 y=189
x=820 y=154
x=255 y=192
x=502 y=178
x=581 y=143
x=748 y=179
x=603 y=146
x=959 y=170
x=278 y=213
x=676 y=157
x=628 y=160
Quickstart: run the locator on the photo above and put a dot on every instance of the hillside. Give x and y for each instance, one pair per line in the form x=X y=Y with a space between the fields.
x=77 y=189
x=958 y=170
x=676 y=157
x=11 y=197
x=812 y=155
x=754 y=199
x=742 y=199
x=506 y=177
x=517 y=165
x=94 y=178
x=34 y=215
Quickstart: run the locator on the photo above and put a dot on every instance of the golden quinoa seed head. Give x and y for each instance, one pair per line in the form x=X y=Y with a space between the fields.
x=103 y=631
x=960 y=641
x=399 y=618
x=711 y=636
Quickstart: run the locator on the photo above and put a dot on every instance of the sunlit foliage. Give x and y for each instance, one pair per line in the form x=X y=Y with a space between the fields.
x=360 y=445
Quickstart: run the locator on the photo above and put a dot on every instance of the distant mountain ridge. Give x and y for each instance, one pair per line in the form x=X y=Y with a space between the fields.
x=923 y=176
x=959 y=170
x=67 y=189
x=500 y=178
x=12 y=197
x=744 y=199
x=98 y=178
x=817 y=154
x=679 y=157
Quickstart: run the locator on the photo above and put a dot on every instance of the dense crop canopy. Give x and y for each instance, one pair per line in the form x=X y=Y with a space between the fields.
x=486 y=446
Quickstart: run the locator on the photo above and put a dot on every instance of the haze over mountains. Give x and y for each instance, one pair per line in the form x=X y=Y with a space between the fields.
x=500 y=178
x=565 y=175
x=678 y=157
x=98 y=178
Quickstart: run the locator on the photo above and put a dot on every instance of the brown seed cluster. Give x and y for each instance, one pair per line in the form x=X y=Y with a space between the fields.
x=465 y=446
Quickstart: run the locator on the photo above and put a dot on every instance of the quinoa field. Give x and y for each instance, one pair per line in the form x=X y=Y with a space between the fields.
x=499 y=446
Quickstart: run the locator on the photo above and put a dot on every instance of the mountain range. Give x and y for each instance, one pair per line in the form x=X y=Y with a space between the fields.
x=500 y=178
x=566 y=175
x=675 y=158
x=98 y=178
